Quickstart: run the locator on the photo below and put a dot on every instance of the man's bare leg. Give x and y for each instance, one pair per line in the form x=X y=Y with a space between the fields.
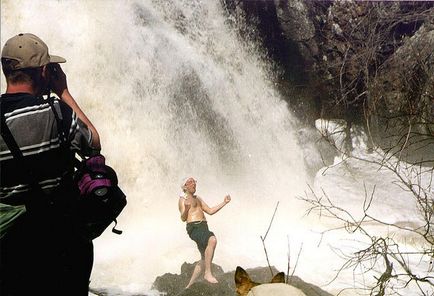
x=209 y=254
x=196 y=272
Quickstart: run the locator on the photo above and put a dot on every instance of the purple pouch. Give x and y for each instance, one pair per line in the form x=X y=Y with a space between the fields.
x=94 y=178
x=101 y=200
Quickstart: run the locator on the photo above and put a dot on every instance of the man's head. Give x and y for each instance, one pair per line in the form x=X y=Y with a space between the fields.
x=24 y=60
x=189 y=186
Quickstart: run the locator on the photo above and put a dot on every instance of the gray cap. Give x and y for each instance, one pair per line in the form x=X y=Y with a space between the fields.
x=30 y=52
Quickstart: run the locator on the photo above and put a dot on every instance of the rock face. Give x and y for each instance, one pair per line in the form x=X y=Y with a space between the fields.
x=402 y=97
x=294 y=18
x=174 y=284
x=362 y=61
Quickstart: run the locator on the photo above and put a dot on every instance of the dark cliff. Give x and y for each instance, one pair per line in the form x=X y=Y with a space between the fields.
x=370 y=63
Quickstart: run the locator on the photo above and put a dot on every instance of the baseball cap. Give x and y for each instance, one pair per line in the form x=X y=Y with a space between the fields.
x=30 y=52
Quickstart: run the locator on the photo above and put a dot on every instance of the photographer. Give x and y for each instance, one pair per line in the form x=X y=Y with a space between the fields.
x=42 y=251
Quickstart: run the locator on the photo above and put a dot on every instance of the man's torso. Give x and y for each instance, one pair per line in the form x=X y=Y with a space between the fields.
x=196 y=212
x=34 y=127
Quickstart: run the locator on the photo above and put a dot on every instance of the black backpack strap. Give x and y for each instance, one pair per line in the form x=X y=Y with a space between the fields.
x=17 y=154
x=69 y=160
x=114 y=230
x=9 y=139
x=59 y=121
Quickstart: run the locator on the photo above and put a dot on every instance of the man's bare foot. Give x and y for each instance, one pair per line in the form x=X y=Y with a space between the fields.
x=209 y=278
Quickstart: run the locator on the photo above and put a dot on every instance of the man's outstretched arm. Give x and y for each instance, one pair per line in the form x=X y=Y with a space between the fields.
x=215 y=209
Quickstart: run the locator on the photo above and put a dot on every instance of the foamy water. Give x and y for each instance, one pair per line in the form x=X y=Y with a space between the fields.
x=175 y=93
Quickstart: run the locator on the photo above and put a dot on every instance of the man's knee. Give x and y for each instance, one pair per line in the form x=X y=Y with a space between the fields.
x=212 y=241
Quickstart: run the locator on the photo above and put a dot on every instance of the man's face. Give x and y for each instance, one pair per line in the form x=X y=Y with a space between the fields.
x=190 y=185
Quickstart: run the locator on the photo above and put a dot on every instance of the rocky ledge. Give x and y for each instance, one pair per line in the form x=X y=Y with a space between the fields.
x=174 y=284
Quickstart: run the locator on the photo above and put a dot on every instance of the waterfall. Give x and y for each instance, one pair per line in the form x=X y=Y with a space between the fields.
x=174 y=93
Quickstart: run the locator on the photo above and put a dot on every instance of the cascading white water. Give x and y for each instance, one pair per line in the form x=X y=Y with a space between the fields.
x=175 y=93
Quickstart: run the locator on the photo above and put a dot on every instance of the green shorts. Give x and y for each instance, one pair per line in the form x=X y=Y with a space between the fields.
x=199 y=232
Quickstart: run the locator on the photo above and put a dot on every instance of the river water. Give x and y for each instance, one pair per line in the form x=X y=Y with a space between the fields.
x=174 y=92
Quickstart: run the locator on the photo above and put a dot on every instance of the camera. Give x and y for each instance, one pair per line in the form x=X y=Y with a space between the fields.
x=53 y=71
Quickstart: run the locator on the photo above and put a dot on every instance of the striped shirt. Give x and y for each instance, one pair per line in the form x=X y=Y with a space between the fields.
x=33 y=125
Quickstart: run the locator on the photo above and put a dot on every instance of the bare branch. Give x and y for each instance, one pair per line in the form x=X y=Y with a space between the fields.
x=263 y=238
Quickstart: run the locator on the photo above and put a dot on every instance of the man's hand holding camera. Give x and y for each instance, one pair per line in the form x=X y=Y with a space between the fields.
x=57 y=82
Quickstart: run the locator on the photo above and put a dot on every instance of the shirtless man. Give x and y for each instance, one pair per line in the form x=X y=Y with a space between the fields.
x=192 y=209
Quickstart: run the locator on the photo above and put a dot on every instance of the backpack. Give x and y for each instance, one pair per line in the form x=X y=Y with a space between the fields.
x=100 y=200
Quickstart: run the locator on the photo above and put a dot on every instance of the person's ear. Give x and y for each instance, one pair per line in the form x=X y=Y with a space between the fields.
x=45 y=72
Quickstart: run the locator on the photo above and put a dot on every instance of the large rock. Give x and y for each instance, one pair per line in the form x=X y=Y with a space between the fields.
x=174 y=284
x=402 y=98
x=296 y=24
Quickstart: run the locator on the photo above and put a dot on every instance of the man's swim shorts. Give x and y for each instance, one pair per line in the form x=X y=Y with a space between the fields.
x=199 y=232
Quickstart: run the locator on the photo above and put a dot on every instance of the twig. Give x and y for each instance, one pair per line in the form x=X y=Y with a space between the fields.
x=271 y=222
x=296 y=263
x=263 y=238
x=289 y=261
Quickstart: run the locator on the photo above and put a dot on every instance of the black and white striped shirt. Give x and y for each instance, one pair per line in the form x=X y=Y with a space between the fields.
x=33 y=125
